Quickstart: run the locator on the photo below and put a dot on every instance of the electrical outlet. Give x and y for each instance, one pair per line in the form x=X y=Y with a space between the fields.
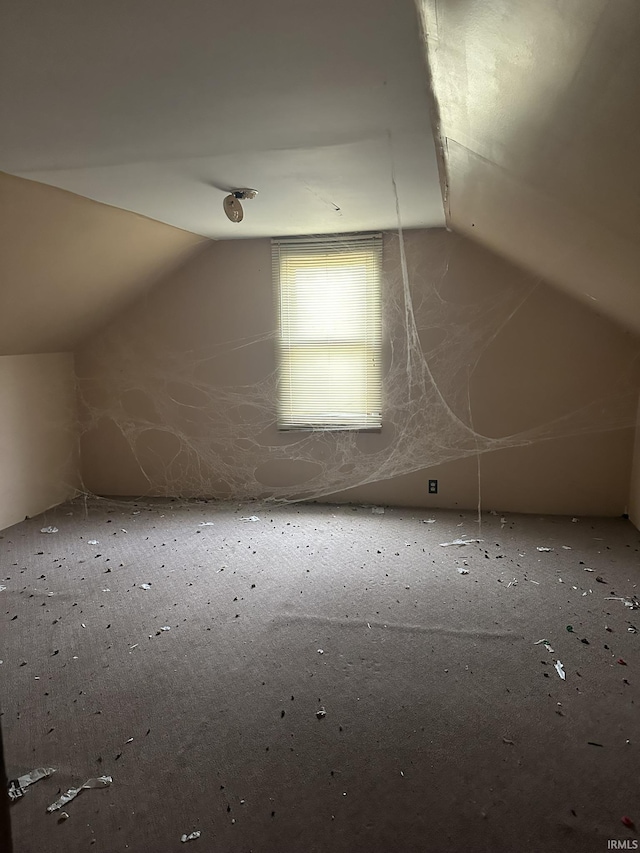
x=433 y=487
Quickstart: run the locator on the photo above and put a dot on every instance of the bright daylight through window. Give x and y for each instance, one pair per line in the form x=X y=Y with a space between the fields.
x=329 y=296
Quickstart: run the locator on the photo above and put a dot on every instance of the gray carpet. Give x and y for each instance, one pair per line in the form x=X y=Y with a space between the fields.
x=446 y=728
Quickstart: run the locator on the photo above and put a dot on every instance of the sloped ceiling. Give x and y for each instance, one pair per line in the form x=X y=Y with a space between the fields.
x=67 y=264
x=161 y=108
x=539 y=125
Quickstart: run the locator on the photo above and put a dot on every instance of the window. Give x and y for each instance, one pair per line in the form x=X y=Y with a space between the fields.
x=329 y=297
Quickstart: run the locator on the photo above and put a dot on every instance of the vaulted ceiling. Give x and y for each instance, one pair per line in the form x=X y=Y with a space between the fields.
x=161 y=108
x=68 y=265
x=539 y=133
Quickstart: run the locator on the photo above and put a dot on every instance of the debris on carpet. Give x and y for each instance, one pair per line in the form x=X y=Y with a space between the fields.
x=72 y=793
x=17 y=787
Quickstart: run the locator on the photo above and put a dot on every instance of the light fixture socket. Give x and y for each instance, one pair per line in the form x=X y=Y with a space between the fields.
x=245 y=193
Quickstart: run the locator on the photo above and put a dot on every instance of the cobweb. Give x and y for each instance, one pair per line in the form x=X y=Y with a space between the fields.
x=191 y=432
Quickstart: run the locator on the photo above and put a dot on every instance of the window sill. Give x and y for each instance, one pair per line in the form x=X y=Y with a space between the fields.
x=328 y=429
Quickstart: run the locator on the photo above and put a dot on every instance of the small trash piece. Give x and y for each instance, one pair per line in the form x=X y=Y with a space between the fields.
x=93 y=542
x=191 y=837
x=320 y=651
x=250 y=518
x=321 y=713
x=560 y=670
x=594 y=743
x=428 y=521
x=72 y=793
x=622 y=662
x=206 y=524
x=459 y=542
x=377 y=510
x=570 y=629
x=63 y=816
x=633 y=602
x=542 y=548
x=463 y=571
x=48 y=530
x=574 y=520
x=628 y=822
x=18 y=786
x=145 y=586
x=567 y=548
x=506 y=740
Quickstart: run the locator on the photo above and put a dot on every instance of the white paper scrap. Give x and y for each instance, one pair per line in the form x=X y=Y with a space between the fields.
x=72 y=793
x=145 y=586
x=93 y=542
x=560 y=670
x=540 y=548
x=191 y=837
x=17 y=786
x=463 y=571
x=377 y=510
x=206 y=524
x=633 y=602
x=459 y=542
x=48 y=530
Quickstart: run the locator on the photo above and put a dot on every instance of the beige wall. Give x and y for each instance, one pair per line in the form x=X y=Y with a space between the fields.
x=38 y=434
x=68 y=264
x=178 y=393
x=634 y=491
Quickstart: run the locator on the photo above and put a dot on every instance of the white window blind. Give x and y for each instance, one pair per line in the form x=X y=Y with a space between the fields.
x=329 y=295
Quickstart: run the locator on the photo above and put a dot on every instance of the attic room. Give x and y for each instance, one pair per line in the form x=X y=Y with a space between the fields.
x=320 y=432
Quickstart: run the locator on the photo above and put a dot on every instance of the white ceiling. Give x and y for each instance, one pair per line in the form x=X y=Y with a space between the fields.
x=161 y=107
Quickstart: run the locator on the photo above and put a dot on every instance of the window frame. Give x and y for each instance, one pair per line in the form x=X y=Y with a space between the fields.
x=333 y=243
